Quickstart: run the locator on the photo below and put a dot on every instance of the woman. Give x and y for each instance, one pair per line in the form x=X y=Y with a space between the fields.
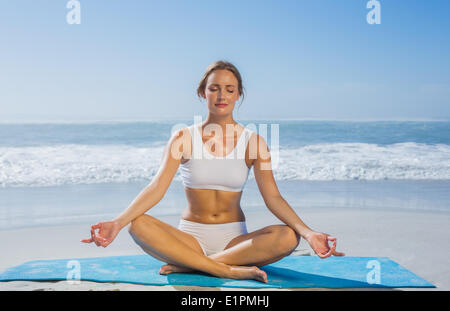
x=212 y=235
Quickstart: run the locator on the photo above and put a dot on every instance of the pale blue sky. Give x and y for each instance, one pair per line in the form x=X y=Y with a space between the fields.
x=299 y=59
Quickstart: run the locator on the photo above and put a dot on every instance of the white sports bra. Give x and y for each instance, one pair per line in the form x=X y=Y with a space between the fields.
x=206 y=171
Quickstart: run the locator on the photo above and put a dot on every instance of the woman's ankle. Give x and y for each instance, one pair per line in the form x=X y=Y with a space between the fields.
x=226 y=271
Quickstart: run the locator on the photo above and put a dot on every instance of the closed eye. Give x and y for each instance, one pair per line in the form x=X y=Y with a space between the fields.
x=229 y=91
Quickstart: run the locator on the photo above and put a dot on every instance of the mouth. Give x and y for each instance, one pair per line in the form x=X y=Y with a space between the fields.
x=221 y=105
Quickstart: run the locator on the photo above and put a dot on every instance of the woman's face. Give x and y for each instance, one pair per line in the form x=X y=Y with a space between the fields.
x=221 y=91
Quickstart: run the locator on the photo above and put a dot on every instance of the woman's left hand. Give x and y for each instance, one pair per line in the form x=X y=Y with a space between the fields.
x=319 y=243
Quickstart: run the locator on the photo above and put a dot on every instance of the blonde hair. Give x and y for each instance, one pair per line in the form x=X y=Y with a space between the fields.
x=220 y=65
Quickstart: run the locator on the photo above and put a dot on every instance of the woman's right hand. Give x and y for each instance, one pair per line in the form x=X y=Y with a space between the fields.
x=108 y=230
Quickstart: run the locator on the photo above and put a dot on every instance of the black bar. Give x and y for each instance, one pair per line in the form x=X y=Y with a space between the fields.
x=222 y=300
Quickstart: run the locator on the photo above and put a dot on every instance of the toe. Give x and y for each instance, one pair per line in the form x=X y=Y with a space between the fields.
x=163 y=269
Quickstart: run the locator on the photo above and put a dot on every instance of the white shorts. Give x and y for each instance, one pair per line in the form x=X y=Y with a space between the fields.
x=213 y=238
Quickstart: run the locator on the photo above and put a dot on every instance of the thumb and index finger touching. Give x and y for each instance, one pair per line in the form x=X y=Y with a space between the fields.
x=95 y=237
x=334 y=239
x=332 y=250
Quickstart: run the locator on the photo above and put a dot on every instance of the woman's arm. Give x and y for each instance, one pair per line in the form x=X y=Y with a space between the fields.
x=262 y=168
x=280 y=208
x=156 y=190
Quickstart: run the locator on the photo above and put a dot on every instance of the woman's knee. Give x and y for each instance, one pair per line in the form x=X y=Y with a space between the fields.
x=287 y=239
x=139 y=223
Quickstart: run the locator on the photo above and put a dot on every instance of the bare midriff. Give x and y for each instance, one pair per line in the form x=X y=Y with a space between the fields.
x=210 y=206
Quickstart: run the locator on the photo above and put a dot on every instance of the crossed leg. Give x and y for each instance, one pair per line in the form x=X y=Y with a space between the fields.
x=183 y=253
x=258 y=248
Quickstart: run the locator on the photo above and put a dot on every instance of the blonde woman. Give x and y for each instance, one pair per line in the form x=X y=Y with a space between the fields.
x=212 y=235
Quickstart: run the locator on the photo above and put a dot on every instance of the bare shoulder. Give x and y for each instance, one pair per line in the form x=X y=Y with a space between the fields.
x=257 y=150
x=172 y=156
x=181 y=134
x=257 y=146
x=180 y=143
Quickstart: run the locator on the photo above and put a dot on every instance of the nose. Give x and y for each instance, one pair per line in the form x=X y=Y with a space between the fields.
x=220 y=95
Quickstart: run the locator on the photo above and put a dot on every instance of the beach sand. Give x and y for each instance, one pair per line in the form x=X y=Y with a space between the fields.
x=416 y=240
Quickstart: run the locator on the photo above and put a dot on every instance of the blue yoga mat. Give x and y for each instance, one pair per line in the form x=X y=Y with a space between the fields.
x=290 y=272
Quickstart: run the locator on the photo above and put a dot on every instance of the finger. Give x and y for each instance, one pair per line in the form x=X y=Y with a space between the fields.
x=324 y=255
x=321 y=256
x=98 y=235
x=104 y=242
x=338 y=254
x=96 y=226
x=330 y=252
x=99 y=239
x=333 y=247
x=94 y=237
x=331 y=238
x=87 y=240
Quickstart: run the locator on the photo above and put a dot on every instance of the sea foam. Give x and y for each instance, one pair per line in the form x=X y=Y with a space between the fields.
x=88 y=164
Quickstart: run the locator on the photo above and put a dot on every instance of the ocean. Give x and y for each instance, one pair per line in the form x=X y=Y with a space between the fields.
x=53 y=173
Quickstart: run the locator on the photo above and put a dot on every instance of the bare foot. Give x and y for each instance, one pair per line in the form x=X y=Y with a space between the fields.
x=236 y=272
x=248 y=273
x=167 y=269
